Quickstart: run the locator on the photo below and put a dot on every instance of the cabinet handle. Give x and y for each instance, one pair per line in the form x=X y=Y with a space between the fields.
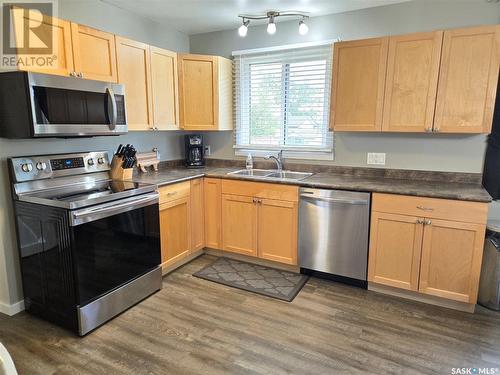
x=80 y=75
x=72 y=74
x=428 y=130
x=425 y=208
x=420 y=221
x=427 y=222
x=436 y=130
x=172 y=193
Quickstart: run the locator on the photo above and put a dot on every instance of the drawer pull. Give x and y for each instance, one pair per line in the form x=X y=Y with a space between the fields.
x=420 y=221
x=425 y=208
x=172 y=193
x=427 y=222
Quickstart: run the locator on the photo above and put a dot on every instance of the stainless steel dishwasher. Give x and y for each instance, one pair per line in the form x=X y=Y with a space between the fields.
x=333 y=234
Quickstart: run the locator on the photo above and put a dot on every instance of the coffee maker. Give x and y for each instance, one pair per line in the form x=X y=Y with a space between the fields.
x=193 y=145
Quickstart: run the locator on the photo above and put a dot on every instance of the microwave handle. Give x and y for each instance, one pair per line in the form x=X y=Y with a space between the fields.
x=114 y=115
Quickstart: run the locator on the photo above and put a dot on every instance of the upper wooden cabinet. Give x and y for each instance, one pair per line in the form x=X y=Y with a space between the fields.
x=205 y=92
x=434 y=82
x=94 y=53
x=61 y=33
x=165 y=91
x=411 y=82
x=358 y=84
x=134 y=71
x=468 y=80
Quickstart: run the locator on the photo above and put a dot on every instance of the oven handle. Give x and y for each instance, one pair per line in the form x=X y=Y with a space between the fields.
x=114 y=114
x=101 y=211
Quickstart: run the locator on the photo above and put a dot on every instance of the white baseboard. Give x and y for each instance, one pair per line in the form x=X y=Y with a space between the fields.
x=11 y=309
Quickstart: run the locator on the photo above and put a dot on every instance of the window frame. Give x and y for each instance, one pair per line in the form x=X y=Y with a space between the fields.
x=242 y=93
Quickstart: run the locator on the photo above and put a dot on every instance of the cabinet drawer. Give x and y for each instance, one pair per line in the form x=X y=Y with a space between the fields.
x=261 y=190
x=470 y=212
x=176 y=191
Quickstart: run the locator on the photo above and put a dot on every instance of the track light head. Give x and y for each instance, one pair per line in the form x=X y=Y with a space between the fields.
x=243 y=29
x=303 y=28
x=271 y=26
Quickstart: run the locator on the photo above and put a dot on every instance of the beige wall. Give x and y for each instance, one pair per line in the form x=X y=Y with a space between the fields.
x=409 y=151
x=103 y=16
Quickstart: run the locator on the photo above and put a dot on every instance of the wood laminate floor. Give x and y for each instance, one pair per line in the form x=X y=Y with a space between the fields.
x=193 y=326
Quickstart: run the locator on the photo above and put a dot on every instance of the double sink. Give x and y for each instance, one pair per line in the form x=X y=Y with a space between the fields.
x=272 y=174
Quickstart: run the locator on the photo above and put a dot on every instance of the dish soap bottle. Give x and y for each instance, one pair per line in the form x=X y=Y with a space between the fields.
x=249 y=162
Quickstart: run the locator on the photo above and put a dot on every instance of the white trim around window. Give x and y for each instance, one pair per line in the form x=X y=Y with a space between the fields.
x=282 y=101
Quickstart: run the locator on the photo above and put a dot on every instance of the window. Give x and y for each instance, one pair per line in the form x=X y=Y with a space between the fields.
x=282 y=102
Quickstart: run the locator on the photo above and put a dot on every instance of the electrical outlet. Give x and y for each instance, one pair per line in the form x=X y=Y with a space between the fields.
x=376 y=158
x=207 y=150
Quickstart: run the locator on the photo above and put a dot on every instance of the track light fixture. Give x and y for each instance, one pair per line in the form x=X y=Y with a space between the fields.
x=243 y=29
x=271 y=25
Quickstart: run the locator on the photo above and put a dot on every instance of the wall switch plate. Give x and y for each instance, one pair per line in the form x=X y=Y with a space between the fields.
x=376 y=158
x=207 y=150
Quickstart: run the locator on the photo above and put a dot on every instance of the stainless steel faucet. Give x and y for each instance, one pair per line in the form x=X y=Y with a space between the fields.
x=278 y=160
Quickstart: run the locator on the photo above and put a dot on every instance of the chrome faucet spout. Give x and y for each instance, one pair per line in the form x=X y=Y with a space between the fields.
x=277 y=159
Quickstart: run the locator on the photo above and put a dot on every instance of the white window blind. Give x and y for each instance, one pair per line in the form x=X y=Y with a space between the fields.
x=282 y=101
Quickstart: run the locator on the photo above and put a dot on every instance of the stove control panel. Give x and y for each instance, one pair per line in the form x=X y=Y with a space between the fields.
x=30 y=168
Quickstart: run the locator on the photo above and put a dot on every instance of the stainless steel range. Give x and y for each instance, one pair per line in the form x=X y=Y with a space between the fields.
x=89 y=246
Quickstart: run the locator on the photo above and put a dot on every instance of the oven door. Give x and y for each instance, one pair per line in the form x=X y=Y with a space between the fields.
x=114 y=243
x=70 y=107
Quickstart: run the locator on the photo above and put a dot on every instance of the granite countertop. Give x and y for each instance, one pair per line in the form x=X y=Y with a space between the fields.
x=423 y=188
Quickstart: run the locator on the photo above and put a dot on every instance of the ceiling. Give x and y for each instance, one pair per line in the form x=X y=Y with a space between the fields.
x=202 y=16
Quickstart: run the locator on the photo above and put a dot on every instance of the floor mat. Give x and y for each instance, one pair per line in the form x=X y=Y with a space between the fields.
x=255 y=278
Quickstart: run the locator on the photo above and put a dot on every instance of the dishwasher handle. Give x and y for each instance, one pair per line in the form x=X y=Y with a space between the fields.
x=335 y=200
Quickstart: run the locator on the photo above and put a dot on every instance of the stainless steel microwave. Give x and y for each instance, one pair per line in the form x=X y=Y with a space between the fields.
x=34 y=105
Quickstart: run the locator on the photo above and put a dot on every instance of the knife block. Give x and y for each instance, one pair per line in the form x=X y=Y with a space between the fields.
x=118 y=172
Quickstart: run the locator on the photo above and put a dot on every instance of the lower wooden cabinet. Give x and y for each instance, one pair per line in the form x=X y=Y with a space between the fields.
x=197 y=219
x=239 y=224
x=277 y=230
x=212 y=201
x=451 y=259
x=395 y=248
x=254 y=225
x=438 y=253
x=175 y=224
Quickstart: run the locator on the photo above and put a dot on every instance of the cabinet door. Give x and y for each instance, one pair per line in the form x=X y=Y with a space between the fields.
x=94 y=53
x=468 y=80
x=451 y=260
x=175 y=220
x=197 y=219
x=212 y=192
x=135 y=72
x=198 y=92
x=411 y=82
x=164 y=84
x=395 y=248
x=277 y=231
x=61 y=37
x=358 y=85
x=239 y=224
